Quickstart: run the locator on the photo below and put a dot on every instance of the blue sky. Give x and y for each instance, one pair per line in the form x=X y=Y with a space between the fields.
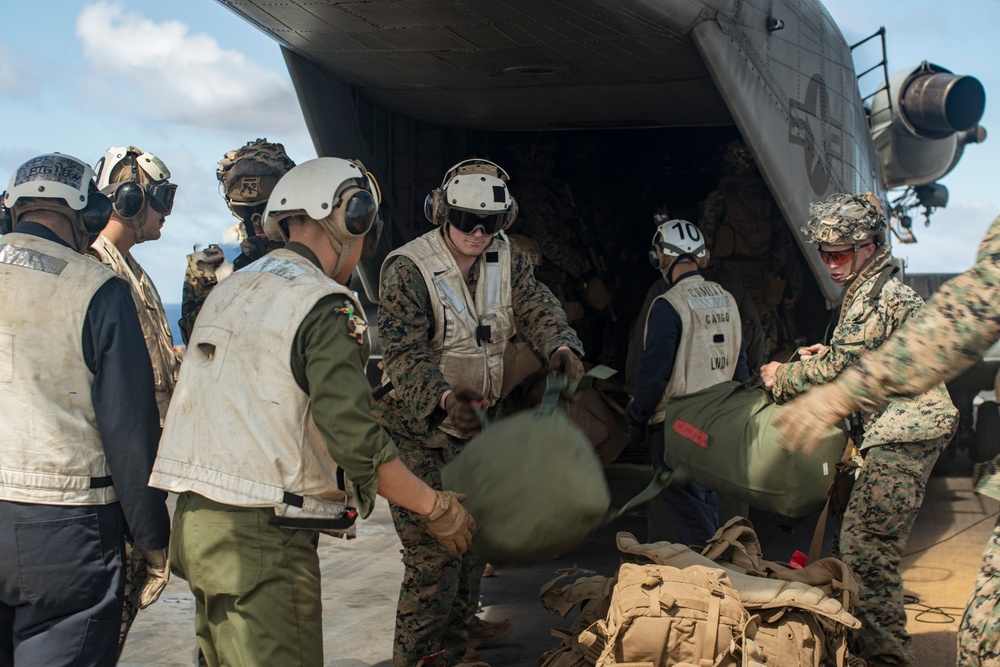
x=189 y=80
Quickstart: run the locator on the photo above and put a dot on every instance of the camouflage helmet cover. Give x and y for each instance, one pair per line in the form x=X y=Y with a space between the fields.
x=248 y=175
x=845 y=219
x=736 y=156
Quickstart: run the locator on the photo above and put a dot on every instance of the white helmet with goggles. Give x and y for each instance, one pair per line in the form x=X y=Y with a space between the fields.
x=339 y=194
x=674 y=240
x=473 y=195
x=131 y=178
x=59 y=183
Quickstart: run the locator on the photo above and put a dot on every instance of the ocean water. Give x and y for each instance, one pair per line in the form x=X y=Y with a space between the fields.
x=173 y=311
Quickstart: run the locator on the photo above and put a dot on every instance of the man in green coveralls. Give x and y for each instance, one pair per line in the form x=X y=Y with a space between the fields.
x=270 y=438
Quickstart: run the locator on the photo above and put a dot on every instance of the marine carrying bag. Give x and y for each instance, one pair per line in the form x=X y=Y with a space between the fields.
x=535 y=486
x=725 y=438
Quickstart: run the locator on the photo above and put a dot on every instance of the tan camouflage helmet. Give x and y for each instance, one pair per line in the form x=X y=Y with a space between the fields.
x=846 y=219
x=736 y=156
x=248 y=175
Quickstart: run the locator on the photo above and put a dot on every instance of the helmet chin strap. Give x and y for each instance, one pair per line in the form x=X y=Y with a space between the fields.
x=136 y=223
x=855 y=269
x=340 y=246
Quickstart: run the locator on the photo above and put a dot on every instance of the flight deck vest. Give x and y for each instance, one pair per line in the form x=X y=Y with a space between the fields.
x=710 y=338
x=50 y=449
x=470 y=331
x=240 y=430
x=152 y=318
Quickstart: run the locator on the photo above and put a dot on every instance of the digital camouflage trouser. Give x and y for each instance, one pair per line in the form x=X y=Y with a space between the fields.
x=979 y=633
x=436 y=597
x=880 y=514
x=135 y=579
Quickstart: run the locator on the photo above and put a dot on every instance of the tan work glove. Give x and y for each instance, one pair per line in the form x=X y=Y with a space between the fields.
x=803 y=422
x=449 y=523
x=565 y=362
x=458 y=405
x=157 y=575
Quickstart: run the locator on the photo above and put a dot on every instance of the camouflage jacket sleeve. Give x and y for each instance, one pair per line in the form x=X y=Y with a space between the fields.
x=540 y=317
x=955 y=328
x=862 y=328
x=406 y=327
x=199 y=280
x=329 y=365
x=865 y=328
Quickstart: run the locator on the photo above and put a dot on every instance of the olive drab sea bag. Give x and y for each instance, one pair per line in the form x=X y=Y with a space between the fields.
x=725 y=438
x=535 y=486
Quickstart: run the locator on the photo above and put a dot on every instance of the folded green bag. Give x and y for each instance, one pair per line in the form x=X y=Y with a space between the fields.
x=535 y=486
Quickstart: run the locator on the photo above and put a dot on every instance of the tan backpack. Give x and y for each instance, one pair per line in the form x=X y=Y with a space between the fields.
x=804 y=614
x=581 y=643
x=662 y=616
x=787 y=616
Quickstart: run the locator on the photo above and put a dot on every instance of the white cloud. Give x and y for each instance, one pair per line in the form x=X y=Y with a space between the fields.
x=173 y=76
x=9 y=80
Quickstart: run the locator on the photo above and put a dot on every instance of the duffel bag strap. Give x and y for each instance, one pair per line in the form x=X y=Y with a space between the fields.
x=816 y=546
x=657 y=481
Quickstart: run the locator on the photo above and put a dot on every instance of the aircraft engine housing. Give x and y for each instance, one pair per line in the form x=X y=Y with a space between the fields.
x=922 y=126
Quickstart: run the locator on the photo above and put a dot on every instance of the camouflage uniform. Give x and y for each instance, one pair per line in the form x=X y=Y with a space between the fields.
x=953 y=331
x=204 y=271
x=438 y=592
x=247 y=175
x=900 y=446
x=749 y=238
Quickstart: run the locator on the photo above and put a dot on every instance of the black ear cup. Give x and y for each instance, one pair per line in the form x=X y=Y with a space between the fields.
x=6 y=220
x=654 y=259
x=510 y=215
x=96 y=213
x=6 y=217
x=129 y=199
x=371 y=240
x=432 y=206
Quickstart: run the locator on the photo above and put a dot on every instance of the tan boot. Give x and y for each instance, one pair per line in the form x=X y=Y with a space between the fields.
x=484 y=633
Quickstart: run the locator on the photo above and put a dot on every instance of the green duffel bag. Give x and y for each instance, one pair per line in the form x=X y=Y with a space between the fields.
x=535 y=486
x=725 y=438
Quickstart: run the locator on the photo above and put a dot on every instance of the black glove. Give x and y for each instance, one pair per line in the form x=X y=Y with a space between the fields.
x=636 y=431
x=565 y=362
x=458 y=405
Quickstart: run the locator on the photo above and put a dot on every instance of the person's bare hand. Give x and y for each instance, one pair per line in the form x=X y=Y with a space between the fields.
x=811 y=351
x=767 y=374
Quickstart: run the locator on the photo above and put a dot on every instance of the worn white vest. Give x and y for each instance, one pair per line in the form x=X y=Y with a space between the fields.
x=50 y=449
x=470 y=331
x=240 y=430
x=710 y=338
x=152 y=317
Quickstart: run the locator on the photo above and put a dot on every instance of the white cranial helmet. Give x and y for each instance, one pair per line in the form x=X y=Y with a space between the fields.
x=675 y=239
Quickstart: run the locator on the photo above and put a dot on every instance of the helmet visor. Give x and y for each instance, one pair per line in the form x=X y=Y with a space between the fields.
x=467 y=222
x=161 y=197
